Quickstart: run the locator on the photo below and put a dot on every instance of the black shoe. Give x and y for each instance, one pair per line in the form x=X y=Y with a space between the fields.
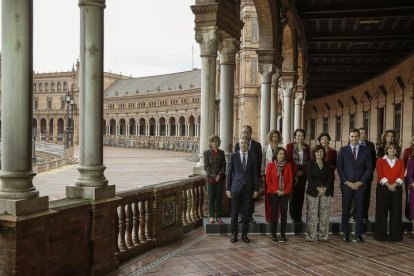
x=233 y=238
x=240 y=220
x=274 y=238
x=251 y=220
x=245 y=238
x=359 y=238
x=283 y=238
x=345 y=238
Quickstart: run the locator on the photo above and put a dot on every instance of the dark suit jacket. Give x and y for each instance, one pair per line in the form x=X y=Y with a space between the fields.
x=353 y=171
x=214 y=164
x=256 y=148
x=371 y=148
x=319 y=177
x=235 y=173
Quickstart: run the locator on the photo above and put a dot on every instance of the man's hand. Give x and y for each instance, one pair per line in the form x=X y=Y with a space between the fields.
x=228 y=194
x=350 y=185
x=358 y=184
x=255 y=194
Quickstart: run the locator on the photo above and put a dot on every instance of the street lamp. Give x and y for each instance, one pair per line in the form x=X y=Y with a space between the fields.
x=34 y=145
x=67 y=100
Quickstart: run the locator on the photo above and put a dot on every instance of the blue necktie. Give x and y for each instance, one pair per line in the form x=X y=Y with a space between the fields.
x=244 y=161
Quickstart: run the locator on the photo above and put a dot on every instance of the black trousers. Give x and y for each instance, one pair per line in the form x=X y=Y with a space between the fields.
x=367 y=199
x=388 y=202
x=352 y=198
x=240 y=203
x=276 y=202
x=297 y=198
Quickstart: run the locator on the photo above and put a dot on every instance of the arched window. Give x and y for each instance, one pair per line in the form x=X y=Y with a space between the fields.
x=46 y=87
x=52 y=87
x=65 y=86
x=34 y=87
x=59 y=87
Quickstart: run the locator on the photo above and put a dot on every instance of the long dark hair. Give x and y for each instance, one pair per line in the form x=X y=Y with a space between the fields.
x=274 y=157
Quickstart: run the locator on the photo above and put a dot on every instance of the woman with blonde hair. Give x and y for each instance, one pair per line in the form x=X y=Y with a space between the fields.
x=274 y=138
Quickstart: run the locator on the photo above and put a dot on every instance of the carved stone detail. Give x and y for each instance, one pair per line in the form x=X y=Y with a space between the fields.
x=266 y=70
x=228 y=50
x=208 y=38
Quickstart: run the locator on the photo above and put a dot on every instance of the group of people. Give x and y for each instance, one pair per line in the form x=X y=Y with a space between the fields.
x=289 y=174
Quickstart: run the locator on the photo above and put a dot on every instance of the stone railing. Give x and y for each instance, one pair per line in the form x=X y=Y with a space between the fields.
x=50 y=148
x=155 y=215
x=51 y=164
x=181 y=143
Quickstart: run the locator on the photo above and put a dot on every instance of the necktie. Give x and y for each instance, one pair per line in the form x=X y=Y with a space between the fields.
x=244 y=161
x=354 y=153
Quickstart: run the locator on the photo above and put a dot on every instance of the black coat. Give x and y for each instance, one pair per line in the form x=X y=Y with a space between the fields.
x=256 y=148
x=319 y=177
x=236 y=176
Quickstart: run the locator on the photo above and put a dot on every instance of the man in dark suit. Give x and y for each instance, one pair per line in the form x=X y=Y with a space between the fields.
x=371 y=148
x=354 y=167
x=242 y=186
x=256 y=148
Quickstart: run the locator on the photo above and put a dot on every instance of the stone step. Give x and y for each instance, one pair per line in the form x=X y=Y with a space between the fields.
x=261 y=227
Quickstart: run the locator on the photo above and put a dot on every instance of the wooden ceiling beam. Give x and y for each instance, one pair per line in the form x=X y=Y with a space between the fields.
x=337 y=54
x=359 y=37
x=355 y=13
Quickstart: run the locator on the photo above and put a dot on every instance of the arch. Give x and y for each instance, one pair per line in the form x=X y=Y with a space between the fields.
x=301 y=67
x=142 y=126
x=104 y=126
x=34 y=124
x=122 y=127
x=181 y=128
x=65 y=86
x=61 y=129
x=171 y=122
x=42 y=128
x=46 y=87
x=40 y=87
x=51 y=125
x=266 y=22
x=191 y=122
x=59 y=86
x=52 y=86
x=131 y=125
x=151 y=126
x=112 y=127
x=162 y=127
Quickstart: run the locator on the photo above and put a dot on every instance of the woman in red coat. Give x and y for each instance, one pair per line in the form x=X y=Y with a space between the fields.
x=279 y=180
x=390 y=172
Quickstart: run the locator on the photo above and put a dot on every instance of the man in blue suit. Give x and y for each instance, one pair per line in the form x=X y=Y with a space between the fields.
x=242 y=185
x=354 y=167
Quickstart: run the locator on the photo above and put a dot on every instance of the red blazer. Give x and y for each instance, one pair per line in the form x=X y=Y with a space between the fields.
x=392 y=174
x=272 y=180
x=289 y=157
x=331 y=157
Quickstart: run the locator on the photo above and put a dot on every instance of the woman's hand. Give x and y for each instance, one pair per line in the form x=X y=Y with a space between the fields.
x=218 y=178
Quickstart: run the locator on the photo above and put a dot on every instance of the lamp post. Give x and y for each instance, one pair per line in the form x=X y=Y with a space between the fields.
x=34 y=145
x=67 y=100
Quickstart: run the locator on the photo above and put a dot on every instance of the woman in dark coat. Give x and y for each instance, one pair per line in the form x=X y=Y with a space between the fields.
x=215 y=167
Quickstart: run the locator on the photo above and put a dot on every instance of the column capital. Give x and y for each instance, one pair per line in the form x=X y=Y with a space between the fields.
x=266 y=70
x=276 y=76
x=99 y=3
x=228 y=50
x=287 y=88
x=208 y=38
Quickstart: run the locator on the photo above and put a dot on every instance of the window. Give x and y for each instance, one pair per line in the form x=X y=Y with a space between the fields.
x=36 y=105
x=325 y=124
x=34 y=87
x=46 y=87
x=313 y=129
x=380 y=122
x=59 y=87
x=49 y=103
x=366 y=120
x=351 y=121
x=40 y=87
x=65 y=86
x=338 y=128
x=52 y=87
x=397 y=121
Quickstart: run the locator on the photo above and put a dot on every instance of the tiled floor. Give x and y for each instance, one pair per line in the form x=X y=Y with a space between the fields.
x=215 y=255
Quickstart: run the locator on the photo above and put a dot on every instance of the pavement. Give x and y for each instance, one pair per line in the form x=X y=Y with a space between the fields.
x=127 y=168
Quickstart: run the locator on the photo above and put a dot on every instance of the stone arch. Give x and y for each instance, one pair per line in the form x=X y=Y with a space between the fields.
x=132 y=127
x=191 y=122
x=172 y=123
x=60 y=129
x=288 y=64
x=266 y=21
x=162 y=130
x=142 y=125
x=42 y=128
x=122 y=126
x=151 y=126
x=301 y=67
x=181 y=127
x=112 y=127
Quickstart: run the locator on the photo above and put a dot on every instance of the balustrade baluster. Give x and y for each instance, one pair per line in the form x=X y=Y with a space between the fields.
x=189 y=203
x=195 y=192
x=128 y=225
x=193 y=204
x=141 y=206
x=201 y=201
x=135 y=223
x=121 y=222
x=147 y=220
x=184 y=212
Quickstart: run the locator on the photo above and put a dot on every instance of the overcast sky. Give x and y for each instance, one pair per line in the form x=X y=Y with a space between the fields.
x=142 y=38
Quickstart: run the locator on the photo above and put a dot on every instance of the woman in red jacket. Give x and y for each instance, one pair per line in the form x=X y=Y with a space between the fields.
x=390 y=172
x=279 y=180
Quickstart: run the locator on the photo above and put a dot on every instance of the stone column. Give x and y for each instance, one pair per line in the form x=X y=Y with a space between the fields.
x=167 y=129
x=126 y=129
x=91 y=183
x=228 y=52
x=18 y=196
x=137 y=129
x=208 y=38
x=274 y=97
x=298 y=110
x=117 y=130
x=287 y=112
x=266 y=71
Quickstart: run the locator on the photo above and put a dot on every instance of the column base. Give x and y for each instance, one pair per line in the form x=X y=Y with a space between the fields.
x=92 y=193
x=21 y=207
